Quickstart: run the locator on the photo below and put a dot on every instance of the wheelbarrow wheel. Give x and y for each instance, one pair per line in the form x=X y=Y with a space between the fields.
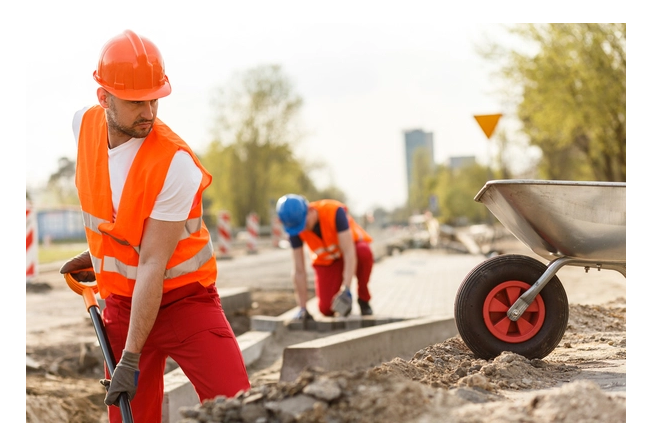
x=486 y=294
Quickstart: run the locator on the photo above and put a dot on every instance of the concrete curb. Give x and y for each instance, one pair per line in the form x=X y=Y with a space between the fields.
x=363 y=343
x=235 y=299
x=366 y=347
x=360 y=348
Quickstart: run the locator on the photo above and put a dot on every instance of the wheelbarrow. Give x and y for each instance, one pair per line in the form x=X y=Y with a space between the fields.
x=517 y=303
x=88 y=294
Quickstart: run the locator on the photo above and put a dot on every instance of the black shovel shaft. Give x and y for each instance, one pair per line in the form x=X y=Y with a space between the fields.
x=98 y=324
x=88 y=294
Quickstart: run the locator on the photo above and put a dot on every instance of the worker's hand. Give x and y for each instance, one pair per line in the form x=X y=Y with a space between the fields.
x=125 y=378
x=79 y=262
x=342 y=302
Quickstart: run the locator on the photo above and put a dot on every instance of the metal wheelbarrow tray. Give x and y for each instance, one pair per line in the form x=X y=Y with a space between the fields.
x=517 y=303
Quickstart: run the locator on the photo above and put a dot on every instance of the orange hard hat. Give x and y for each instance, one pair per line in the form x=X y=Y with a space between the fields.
x=131 y=67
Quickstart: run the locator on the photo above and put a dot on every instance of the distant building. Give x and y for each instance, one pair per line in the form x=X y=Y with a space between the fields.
x=416 y=139
x=64 y=223
x=458 y=162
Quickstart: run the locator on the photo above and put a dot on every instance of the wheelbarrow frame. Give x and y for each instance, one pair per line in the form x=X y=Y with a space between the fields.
x=576 y=223
x=517 y=303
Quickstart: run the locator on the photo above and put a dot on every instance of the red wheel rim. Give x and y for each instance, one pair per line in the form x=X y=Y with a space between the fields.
x=495 y=308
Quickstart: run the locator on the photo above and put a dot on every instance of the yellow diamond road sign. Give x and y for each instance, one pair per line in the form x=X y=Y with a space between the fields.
x=488 y=123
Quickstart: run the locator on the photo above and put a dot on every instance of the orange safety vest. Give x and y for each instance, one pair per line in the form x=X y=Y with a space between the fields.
x=326 y=249
x=114 y=245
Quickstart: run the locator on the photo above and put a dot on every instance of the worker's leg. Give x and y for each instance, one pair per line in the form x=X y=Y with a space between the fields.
x=146 y=405
x=328 y=281
x=202 y=342
x=363 y=271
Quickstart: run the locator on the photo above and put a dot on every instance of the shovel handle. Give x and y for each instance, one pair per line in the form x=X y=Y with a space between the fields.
x=86 y=291
x=92 y=307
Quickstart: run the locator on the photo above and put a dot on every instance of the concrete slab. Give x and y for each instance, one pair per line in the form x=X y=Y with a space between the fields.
x=235 y=299
x=265 y=323
x=366 y=347
x=178 y=392
x=252 y=344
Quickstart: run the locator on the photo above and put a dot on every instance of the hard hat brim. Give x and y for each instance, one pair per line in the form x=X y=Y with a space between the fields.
x=137 y=94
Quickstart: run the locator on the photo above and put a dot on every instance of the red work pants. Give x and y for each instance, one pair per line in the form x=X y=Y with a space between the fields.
x=328 y=278
x=192 y=329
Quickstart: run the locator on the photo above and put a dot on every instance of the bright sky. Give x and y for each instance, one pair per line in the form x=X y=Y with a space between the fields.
x=365 y=75
x=367 y=71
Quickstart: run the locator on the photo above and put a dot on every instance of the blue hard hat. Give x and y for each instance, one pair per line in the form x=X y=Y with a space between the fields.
x=292 y=210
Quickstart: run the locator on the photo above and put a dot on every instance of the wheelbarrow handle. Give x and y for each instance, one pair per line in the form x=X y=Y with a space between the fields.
x=88 y=294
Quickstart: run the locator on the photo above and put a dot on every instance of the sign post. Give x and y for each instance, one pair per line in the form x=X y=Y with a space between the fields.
x=488 y=124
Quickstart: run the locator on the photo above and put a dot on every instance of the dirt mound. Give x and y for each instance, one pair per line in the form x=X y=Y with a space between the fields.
x=436 y=385
x=446 y=383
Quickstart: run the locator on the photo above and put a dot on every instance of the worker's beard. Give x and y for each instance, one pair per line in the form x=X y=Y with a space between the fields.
x=132 y=131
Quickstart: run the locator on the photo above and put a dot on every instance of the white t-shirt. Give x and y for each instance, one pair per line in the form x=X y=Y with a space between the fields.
x=181 y=183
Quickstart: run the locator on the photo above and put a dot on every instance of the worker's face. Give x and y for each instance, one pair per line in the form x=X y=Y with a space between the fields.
x=129 y=119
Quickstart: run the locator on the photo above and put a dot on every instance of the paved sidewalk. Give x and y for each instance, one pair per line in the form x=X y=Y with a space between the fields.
x=420 y=283
x=414 y=284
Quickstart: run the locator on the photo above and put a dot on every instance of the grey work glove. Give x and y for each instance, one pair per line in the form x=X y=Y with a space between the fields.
x=125 y=378
x=342 y=302
x=79 y=262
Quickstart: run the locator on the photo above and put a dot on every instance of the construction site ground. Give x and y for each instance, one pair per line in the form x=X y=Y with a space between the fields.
x=582 y=380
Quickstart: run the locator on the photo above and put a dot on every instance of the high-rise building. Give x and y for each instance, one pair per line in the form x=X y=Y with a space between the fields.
x=416 y=139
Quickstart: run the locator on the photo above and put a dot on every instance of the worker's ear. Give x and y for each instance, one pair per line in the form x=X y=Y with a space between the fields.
x=103 y=97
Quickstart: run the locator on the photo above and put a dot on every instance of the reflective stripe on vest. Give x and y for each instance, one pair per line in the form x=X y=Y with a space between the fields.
x=93 y=223
x=97 y=263
x=333 y=252
x=129 y=271
x=188 y=266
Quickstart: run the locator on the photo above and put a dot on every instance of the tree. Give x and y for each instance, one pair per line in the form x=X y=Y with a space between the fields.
x=572 y=94
x=422 y=170
x=456 y=189
x=252 y=157
x=62 y=183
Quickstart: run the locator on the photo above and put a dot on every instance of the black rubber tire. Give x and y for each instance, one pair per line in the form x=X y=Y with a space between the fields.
x=478 y=284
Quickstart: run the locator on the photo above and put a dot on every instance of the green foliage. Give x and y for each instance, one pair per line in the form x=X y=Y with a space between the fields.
x=573 y=97
x=62 y=183
x=252 y=158
x=422 y=171
x=456 y=189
